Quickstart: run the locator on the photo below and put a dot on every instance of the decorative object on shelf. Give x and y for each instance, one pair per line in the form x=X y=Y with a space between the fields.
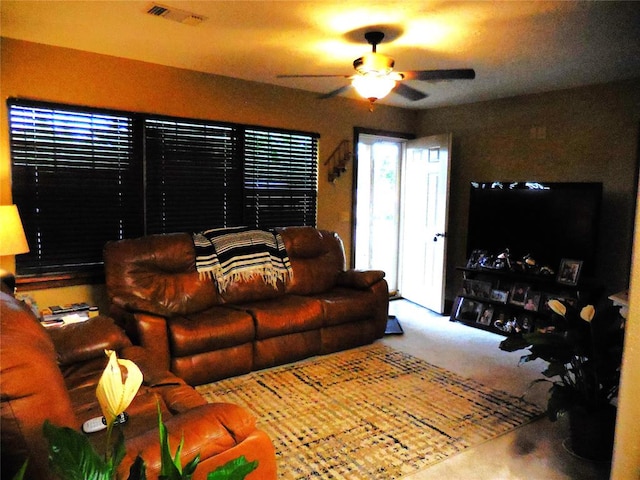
x=532 y=301
x=500 y=296
x=569 y=272
x=476 y=288
x=481 y=259
x=503 y=261
x=477 y=258
x=583 y=350
x=338 y=160
x=486 y=316
x=519 y=294
x=518 y=290
x=467 y=310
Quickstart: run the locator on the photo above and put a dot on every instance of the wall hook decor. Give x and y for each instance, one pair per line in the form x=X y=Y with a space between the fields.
x=338 y=160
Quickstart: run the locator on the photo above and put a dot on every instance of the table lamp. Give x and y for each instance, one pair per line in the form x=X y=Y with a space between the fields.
x=12 y=240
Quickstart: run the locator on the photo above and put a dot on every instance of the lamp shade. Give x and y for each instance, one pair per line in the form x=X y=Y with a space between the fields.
x=373 y=86
x=12 y=238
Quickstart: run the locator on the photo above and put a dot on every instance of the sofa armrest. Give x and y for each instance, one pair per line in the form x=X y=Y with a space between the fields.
x=79 y=342
x=174 y=391
x=133 y=304
x=151 y=331
x=361 y=279
x=209 y=430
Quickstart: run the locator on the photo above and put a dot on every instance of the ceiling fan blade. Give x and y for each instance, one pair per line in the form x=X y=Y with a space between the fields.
x=409 y=92
x=455 y=74
x=335 y=92
x=312 y=76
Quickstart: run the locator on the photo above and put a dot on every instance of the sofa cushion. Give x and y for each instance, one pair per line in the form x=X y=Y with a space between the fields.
x=250 y=290
x=317 y=258
x=305 y=242
x=157 y=274
x=289 y=314
x=213 y=329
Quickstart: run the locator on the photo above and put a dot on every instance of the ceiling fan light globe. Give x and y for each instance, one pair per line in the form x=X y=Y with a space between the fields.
x=373 y=87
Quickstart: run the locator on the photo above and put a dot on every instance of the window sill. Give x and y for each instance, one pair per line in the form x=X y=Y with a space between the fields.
x=58 y=280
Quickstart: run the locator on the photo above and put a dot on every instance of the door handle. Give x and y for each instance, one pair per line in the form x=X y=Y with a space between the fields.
x=443 y=235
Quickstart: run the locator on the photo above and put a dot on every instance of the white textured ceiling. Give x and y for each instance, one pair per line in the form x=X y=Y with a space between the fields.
x=515 y=47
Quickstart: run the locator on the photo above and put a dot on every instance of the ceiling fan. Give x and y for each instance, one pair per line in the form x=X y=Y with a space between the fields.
x=374 y=78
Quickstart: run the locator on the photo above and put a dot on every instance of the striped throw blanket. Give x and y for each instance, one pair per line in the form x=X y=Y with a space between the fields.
x=240 y=253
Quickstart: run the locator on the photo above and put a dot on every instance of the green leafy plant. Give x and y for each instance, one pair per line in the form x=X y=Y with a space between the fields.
x=236 y=469
x=72 y=456
x=583 y=351
x=171 y=468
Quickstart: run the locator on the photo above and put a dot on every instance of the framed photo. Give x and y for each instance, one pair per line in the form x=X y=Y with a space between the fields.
x=569 y=271
x=468 y=310
x=519 y=294
x=524 y=323
x=532 y=301
x=475 y=260
x=476 y=289
x=501 y=296
x=486 y=316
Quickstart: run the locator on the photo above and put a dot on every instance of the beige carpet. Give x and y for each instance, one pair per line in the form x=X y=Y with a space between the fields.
x=369 y=413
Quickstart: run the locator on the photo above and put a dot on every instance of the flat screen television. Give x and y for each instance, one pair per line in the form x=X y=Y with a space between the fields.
x=549 y=221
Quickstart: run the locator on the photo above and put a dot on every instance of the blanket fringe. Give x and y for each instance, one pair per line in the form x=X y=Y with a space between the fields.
x=271 y=264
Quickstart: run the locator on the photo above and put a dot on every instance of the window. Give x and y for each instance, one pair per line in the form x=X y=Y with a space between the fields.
x=280 y=184
x=194 y=178
x=84 y=176
x=75 y=182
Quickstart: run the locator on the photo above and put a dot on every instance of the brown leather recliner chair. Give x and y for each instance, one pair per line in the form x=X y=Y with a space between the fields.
x=203 y=335
x=53 y=374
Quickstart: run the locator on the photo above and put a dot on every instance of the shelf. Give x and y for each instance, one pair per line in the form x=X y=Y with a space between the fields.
x=524 y=277
x=495 y=300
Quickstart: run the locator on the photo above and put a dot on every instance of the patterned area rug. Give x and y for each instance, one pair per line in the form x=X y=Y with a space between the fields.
x=369 y=413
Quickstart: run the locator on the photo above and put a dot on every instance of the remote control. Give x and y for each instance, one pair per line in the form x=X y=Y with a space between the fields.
x=96 y=424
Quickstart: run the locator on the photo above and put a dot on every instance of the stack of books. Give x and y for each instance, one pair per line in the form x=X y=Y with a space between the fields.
x=58 y=315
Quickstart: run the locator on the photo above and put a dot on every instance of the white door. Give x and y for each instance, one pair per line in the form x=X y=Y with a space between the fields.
x=425 y=206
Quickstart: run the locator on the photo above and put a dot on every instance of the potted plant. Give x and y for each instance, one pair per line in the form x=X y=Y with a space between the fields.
x=583 y=351
x=72 y=457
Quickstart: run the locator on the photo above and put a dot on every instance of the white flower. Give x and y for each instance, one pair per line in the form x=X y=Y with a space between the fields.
x=587 y=313
x=118 y=385
x=557 y=306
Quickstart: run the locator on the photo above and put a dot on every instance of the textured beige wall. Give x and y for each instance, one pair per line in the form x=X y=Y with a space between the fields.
x=54 y=74
x=583 y=134
x=626 y=456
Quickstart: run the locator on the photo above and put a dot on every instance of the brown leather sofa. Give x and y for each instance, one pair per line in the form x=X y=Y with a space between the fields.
x=203 y=335
x=53 y=375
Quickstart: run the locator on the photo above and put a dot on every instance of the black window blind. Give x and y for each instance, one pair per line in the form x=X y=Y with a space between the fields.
x=279 y=180
x=194 y=179
x=75 y=185
x=82 y=177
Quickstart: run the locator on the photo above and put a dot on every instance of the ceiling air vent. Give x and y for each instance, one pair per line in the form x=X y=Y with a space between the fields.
x=175 y=14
